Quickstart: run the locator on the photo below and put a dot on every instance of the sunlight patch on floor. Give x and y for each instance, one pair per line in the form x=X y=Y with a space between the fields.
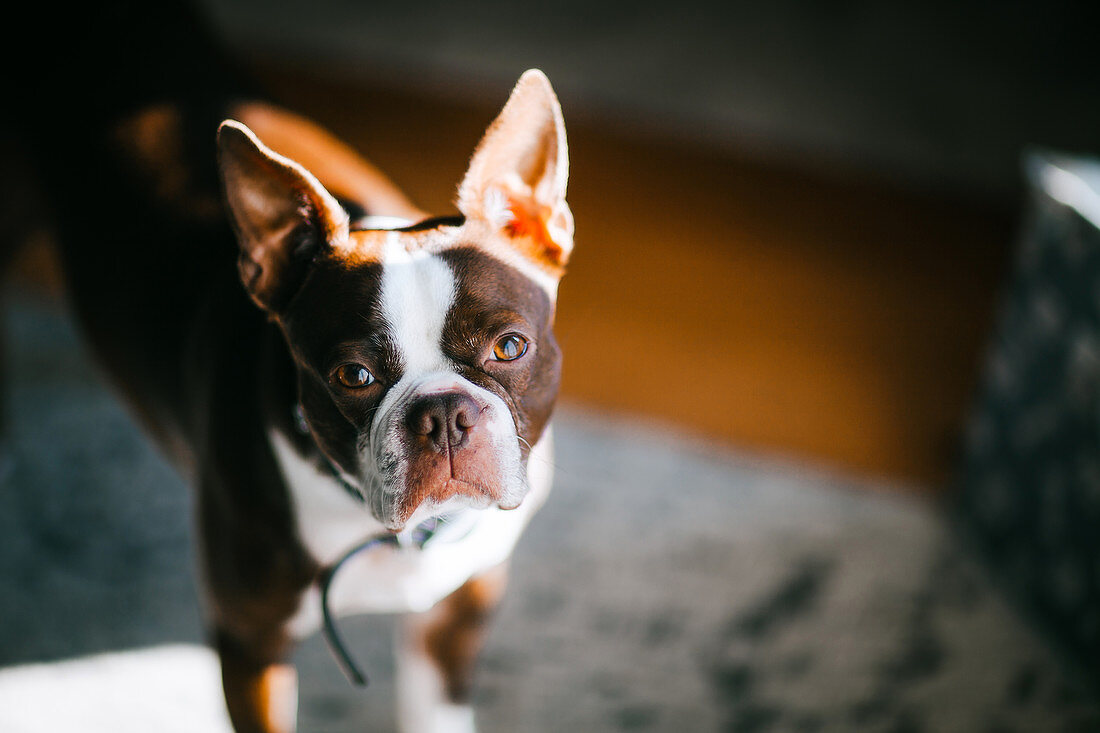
x=167 y=689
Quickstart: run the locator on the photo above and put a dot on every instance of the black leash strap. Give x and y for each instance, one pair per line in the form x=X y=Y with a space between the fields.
x=423 y=532
x=336 y=645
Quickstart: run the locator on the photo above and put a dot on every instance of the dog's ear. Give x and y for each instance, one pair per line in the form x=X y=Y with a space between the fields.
x=282 y=215
x=517 y=176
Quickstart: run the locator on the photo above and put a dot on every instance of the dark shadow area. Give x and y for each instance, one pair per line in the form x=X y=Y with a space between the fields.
x=942 y=95
x=96 y=551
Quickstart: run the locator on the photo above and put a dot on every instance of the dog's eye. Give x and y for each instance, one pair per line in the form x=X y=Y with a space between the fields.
x=354 y=376
x=510 y=347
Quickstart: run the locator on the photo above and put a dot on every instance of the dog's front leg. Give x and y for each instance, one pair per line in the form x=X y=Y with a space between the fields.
x=254 y=574
x=436 y=656
x=261 y=690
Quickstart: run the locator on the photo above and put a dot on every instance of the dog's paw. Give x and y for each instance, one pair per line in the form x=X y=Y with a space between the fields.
x=453 y=719
x=440 y=718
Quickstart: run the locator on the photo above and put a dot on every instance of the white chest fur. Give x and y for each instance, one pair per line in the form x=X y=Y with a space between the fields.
x=394 y=579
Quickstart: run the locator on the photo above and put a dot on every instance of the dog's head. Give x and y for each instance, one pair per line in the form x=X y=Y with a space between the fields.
x=426 y=361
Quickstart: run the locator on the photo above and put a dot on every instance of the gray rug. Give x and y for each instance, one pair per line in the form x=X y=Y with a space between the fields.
x=668 y=585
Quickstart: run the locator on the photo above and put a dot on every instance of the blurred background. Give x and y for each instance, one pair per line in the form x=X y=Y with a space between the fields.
x=793 y=217
x=815 y=242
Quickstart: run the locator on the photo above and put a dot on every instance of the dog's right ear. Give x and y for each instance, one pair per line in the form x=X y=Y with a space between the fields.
x=282 y=215
x=517 y=176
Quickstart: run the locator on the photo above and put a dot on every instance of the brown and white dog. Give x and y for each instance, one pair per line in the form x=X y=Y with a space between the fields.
x=379 y=369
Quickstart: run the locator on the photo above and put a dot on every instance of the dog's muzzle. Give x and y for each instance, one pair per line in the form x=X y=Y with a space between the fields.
x=446 y=442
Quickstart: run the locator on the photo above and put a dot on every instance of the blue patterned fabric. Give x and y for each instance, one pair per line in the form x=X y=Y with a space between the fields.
x=1031 y=474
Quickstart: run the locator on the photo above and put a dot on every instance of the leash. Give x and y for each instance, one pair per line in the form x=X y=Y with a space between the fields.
x=423 y=532
x=420 y=536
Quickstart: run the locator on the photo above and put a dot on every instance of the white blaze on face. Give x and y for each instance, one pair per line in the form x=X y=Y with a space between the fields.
x=418 y=289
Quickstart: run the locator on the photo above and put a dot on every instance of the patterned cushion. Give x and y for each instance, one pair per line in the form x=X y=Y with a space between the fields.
x=1031 y=473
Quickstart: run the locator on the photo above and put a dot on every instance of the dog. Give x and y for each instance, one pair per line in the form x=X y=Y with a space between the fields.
x=346 y=381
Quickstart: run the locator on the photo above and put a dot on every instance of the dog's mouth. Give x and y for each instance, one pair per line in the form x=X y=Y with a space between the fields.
x=440 y=490
x=444 y=499
x=441 y=446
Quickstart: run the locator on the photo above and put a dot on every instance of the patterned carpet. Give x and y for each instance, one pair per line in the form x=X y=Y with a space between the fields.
x=667 y=585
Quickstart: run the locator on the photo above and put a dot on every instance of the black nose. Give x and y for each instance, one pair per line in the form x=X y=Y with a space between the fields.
x=444 y=419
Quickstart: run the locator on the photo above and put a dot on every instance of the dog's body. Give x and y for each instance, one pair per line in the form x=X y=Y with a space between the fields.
x=369 y=376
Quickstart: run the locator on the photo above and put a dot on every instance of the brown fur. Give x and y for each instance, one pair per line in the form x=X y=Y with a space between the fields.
x=454 y=632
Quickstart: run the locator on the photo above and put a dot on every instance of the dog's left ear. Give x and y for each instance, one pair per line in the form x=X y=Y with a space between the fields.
x=517 y=176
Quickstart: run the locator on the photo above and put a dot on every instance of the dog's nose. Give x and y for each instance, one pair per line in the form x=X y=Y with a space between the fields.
x=445 y=420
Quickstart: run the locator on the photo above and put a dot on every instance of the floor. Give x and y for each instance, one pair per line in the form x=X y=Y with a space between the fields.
x=666 y=585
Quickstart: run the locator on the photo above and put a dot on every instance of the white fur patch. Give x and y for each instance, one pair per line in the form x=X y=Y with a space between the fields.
x=388 y=579
x=422 y=705
x=380 y=222
x=417 y=291
x=496 y=208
